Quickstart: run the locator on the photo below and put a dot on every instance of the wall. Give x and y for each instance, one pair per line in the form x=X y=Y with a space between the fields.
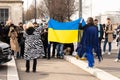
x=15 y=11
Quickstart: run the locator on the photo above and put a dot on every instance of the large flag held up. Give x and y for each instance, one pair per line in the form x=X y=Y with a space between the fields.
x=64 y=32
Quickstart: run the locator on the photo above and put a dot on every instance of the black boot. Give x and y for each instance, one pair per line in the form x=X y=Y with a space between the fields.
x=27 y=66
x=34 y=65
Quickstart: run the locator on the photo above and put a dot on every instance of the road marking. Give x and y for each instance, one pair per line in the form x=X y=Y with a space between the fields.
x=12 y=73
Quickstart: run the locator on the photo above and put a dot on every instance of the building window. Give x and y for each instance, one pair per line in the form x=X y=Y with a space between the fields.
x=4 y=14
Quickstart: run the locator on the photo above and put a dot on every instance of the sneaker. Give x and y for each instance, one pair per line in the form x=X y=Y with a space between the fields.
x=83 y=58
x=109 y=53
x=90 y=67
x=116 y=60
x=103 y=53
x=76 y=56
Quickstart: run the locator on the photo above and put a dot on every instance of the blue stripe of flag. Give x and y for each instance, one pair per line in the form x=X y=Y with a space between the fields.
x=73 y=25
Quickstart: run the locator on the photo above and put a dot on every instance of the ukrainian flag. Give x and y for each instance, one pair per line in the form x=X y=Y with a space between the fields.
x=63 y=32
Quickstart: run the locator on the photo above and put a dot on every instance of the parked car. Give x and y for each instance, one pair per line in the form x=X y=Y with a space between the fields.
x=5 y=52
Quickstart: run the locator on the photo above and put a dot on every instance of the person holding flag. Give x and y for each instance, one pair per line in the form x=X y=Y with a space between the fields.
x=89 y=42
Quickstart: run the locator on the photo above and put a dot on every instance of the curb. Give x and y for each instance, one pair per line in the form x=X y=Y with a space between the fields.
x=100 y=74
x=12 y=73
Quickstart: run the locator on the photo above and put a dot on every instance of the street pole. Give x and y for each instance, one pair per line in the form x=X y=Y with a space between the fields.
x=35 y=11
x=80 y=16
x=80 y=8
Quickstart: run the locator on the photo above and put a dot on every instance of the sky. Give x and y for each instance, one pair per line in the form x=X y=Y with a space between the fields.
x=98 y=6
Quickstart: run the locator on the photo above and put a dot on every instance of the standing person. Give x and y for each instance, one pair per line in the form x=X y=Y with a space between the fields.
x=108 y=36
x=44 y=36
x=35 y=24
x=118 y=43
x=100 y=30
x=53 y=49
x=14 y=41
x=90 y=41
x=6 y=31
x=33 y=46
x=60 y=53
x=21 y=39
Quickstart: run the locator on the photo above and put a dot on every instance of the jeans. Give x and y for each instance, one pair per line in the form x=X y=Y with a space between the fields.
x=59 y=50
x=119 y=54
x=109 y=43
x=49 y=49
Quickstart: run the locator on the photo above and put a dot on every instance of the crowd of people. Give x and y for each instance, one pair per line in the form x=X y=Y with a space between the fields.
x=30 y=41
x=93 y=34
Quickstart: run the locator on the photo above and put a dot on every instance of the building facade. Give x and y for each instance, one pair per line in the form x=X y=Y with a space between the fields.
x=113 y=15
x=11 y=9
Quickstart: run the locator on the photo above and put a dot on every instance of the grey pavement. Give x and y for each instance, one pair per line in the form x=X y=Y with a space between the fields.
x=8 y=71
x=3 y=72
x=104 y=73
x=109 y=65
x=58 y=69
x=108 y=69
x=54 y=69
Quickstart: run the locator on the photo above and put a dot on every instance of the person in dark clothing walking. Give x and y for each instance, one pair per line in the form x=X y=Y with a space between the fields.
x=90 y=41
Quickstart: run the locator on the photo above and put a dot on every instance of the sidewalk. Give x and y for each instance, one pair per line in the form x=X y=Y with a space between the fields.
x=53 y=69
x=61 y=70
x=108 y=69
x=12 y=73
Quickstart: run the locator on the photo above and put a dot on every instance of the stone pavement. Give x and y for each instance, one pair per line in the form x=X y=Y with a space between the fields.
x=109 y=65
x=8 y=71
x=54 y=69
x=3 y=72
x=107 y=69
x=58 y=69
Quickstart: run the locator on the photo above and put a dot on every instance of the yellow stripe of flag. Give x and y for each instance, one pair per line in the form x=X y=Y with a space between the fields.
x=63 y=36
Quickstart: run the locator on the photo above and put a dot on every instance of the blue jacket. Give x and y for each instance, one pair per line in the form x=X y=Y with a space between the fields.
x=90 y=39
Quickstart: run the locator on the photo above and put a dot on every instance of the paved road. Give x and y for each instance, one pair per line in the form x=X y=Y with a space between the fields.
x=109 y=65
x=3 y=72
x=54 y=69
